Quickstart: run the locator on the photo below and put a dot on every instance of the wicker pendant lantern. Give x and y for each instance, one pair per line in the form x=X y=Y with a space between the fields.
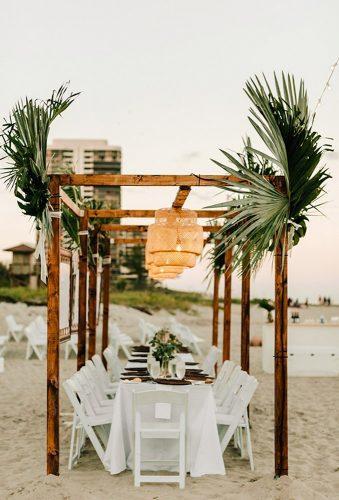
x=165 y=269
x=162 y=276
x=176 y=239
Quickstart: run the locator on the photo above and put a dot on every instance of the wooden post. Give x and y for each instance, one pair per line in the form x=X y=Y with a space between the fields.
x=226 y=351
x=106 y=272
x=82 y=320
x=53 y=289
x=215 y=324
x=92 y=296
x=245 y=315
x=280 y=355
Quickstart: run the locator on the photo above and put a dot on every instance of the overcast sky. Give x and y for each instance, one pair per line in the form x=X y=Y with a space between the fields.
x=164 y=79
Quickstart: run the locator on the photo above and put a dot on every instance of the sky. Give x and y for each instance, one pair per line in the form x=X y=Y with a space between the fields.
x=164 y=80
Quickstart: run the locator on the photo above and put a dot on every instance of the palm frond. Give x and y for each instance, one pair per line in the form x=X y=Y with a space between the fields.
x=24 y=143
x=262 y=211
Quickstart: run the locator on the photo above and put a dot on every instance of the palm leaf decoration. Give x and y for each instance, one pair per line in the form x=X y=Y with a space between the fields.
x=263 y=210
x=70 y=222
x=24 y=142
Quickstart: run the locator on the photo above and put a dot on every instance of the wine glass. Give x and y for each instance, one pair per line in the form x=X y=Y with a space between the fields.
x=150 y=360
x=172 y=367
x=155 y=369
x=180 y=369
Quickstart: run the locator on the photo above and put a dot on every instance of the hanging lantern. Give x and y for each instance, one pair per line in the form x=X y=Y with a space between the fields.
x=166 y=269
x=148 y=257
x=162 y=276
x=176 y=239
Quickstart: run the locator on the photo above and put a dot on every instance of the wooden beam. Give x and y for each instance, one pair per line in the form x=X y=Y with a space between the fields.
x=92 y=296
x=83 y=267
x=181 y=196
x=106 y=274
x=129 y=241
x=133 y=241
x=53 y=290
x=143 y=228
x=280 y=362
x=148 y=214
x=70 y=204
x=226 y=351
x=124 y=227
x=215 y=320
x=145 y=180
x=245 y=315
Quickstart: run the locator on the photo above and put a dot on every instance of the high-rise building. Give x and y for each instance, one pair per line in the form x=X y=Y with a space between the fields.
x=88 y=156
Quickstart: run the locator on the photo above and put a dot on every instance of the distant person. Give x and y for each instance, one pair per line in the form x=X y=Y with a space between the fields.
x=320 y=300
x=306 y=303
x=289 y=302
x=329 y=301
x=296 y=303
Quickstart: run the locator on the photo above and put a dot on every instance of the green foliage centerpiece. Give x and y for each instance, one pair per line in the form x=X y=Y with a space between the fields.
x=166 y=346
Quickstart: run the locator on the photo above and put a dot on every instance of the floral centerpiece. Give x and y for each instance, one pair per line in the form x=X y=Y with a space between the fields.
x=165 y=345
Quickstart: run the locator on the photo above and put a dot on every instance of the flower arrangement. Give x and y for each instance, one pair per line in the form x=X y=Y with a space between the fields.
x=166 y=345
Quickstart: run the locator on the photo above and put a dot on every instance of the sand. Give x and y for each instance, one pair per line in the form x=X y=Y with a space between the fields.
x=313 y=430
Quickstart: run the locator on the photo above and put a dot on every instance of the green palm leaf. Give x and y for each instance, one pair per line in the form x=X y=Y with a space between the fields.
x=262 y=210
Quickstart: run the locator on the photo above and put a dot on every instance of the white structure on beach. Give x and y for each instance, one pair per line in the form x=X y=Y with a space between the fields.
x=313 y=349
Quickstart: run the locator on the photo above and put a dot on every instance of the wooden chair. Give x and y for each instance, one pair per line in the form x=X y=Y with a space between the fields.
x=159 y=430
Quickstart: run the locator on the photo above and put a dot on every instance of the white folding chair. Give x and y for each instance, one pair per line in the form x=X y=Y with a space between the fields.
x=159 y=430
x=88 y=375
x=14 y=330
x=186 y=336
x=119 y=339
x=85 y=421
x=237 y=418
x=71 y=345
x=108 y=387
x=36 y=343
x=41 y=325
x=147 y=331
x=222 y=377
x=226 y=387
x=208 y=365
x=113 y=363
x=3 y=341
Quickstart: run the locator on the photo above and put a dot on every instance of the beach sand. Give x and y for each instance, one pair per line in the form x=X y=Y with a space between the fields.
x=313 y=429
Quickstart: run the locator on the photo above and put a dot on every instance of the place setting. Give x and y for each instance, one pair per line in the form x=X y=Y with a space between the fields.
x=164 y=362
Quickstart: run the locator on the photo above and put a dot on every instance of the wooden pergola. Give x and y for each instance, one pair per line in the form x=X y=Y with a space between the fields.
x=88 y=304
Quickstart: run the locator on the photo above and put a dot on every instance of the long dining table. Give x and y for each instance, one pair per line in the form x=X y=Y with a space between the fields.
x=203 y=455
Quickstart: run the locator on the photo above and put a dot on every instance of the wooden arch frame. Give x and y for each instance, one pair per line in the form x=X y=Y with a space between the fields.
x=184 y=182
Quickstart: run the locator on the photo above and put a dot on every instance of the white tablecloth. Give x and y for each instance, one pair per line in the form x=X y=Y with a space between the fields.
x=203 y=449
